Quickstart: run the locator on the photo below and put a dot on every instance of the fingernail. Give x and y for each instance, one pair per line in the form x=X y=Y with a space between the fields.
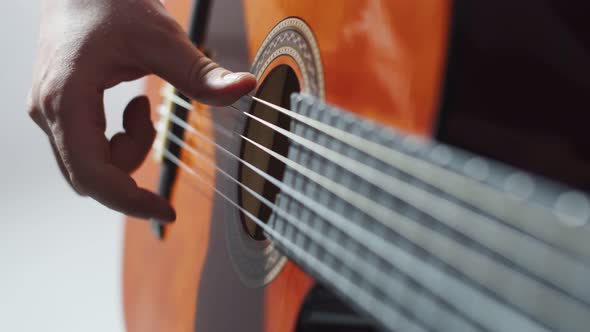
x=232 y=77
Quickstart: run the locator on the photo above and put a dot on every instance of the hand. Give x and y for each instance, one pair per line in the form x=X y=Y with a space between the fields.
x=87 y=46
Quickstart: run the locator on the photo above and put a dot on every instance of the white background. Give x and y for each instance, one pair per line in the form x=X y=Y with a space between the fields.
x=60 y=255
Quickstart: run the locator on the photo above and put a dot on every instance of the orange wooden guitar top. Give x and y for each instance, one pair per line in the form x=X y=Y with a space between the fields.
x=382 y=59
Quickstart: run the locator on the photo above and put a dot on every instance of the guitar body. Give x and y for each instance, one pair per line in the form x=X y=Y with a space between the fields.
x=383 y=60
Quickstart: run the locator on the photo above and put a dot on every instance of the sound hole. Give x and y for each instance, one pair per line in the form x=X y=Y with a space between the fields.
x=277 y=88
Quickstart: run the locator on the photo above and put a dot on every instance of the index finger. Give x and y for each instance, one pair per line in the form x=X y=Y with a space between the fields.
x=85 y=152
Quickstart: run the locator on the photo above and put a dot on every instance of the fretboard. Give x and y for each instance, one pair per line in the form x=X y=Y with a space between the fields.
x=423 y=236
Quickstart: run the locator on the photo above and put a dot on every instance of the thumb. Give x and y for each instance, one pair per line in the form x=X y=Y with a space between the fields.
x=175 y=59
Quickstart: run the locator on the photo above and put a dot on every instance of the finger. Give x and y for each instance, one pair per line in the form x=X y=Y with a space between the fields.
x=174 y=58
x=117 y=190
x=129 y=149
x=80 y=140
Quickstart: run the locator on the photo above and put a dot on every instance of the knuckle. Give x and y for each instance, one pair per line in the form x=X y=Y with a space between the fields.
x=50 y=95
x=33 y=109
x=48 y=102
x=34 y=113
x=46 y=99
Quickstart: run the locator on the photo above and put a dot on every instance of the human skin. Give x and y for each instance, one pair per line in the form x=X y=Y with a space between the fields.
x=88 y=46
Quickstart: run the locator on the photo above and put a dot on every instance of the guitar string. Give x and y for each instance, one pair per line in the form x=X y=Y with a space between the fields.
x=327 y=243
x=532 y=255
x=419 y=271
x=391 y=316
x=442 y=210
x=411 y=232
x=547 y=295
x=508 y=209
x=452 y=183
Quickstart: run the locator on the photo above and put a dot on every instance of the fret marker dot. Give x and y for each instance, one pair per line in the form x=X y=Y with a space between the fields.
x=477 y=168
x=572 y=208
x=520 y=185
x=442 y=155
x=411 y=144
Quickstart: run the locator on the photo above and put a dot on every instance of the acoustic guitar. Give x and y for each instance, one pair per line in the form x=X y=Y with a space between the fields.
x=401 y=166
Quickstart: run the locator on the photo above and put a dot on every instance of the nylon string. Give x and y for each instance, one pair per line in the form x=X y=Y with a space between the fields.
x=382 y=214
x=475 y=226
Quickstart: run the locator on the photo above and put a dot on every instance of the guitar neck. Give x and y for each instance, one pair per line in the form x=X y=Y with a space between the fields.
x=399 y=226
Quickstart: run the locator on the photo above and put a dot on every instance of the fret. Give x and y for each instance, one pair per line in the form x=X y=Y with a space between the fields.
x=392 y=318
x=331 y=260
x=354 y=265
x=549 y=223
x=349 y=267
x=343 y=268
